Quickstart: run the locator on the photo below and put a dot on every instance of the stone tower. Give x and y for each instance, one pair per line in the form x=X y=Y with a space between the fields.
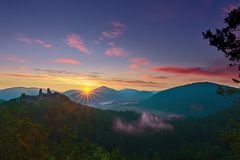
x=49 y=91
x=40 y=92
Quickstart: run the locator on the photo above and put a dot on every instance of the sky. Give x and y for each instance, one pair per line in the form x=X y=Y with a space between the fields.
x=140 y=44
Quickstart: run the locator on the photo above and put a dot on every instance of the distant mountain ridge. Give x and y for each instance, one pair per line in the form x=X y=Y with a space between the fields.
x=15 y=92
x=102 y=94
x=107 y=96
x=135 y=95
x=71 y=92
x=197 y=99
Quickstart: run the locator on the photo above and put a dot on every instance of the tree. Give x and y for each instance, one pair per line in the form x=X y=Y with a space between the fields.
x=227 y=39
x=232 y=139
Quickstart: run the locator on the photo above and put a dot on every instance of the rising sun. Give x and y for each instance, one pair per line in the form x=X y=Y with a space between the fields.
x=86 y=91
x=87 y=95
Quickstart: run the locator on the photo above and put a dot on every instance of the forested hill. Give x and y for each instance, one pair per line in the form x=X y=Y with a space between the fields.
x=196 y=100
x=54 y=127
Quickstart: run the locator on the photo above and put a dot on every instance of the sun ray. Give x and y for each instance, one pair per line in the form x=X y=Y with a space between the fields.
x=87 y=95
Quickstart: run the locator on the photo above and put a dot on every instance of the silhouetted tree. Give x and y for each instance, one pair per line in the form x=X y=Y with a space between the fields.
x=227 y=39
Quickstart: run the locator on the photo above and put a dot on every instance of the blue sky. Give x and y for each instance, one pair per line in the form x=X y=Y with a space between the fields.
x=142 y=44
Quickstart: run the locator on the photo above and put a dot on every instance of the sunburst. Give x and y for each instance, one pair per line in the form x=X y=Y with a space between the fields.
x=86 y=91
x=87 y=95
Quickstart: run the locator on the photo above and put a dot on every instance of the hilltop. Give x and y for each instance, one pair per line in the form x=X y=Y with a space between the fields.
x=197 y=99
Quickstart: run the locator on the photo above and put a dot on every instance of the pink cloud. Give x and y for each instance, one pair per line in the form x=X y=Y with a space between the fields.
x=138 y=62
x=115 y=52
x=26 y=75
x=155 y=77
x=66 y=61
x=199 y=71
x=74 y=41
x=28 y=40
x=44 y=44
x=117 y=30
x=22 y=68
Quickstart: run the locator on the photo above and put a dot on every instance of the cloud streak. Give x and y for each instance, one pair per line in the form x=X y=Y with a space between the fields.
x=134 y=82
x=16 y=59
x=68 y=73
x=29 y=40
x=66 y=61
x=98 y=77
x=117 y=30
x=19 y=75
x=155 y=77
x=138 y=62
x=115 y=52
x=74 y=40
x=198 y=71
x=61 y=72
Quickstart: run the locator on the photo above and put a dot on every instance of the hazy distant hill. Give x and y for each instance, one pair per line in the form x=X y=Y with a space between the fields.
x=135 y=95
x=71 y=92
x=98 y=96
x=15 y=92
x=197 y=99
x=103 y=96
